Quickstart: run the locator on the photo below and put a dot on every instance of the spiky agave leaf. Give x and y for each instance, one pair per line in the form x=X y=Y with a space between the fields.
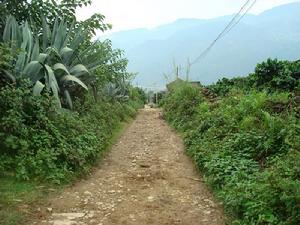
x=36 y=51
x=61 y=67
x=42 y=57
x=68 y=99
x=51 y=83
x=60 y=35
x=79 y=70
x=67 y=55
x=12 y=32
x=26 y=49
x=77 y=40
x=46 y=33
x=33 y=71
x=69 y=78
x=38 y=88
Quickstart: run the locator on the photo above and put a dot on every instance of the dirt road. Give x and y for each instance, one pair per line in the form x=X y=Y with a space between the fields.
x=146 y=179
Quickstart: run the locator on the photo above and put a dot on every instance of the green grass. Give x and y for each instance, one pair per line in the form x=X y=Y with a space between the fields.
x=15 y=198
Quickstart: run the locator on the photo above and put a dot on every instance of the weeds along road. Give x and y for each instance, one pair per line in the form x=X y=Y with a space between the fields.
x=146 y=179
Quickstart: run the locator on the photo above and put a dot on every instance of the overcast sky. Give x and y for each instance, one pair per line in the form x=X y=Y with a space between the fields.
x=130 y=14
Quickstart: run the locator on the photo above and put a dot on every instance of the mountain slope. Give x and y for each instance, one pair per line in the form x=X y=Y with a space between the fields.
x=274 y=33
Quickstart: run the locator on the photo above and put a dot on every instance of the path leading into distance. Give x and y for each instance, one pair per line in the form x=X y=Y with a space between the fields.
x=145 y=179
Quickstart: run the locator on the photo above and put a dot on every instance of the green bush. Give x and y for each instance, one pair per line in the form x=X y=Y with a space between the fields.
x=39 y=140
x=181 y=104
x=247 y=149
x=271 y=75
x=276 y=74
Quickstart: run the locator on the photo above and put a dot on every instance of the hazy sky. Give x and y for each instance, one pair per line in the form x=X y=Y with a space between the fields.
x=129 y=14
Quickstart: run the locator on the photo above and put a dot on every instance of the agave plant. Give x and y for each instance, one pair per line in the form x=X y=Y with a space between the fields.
x=51 y=60
x=117 y=91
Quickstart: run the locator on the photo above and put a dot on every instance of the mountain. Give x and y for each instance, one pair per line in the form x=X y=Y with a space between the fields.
x=274 y=33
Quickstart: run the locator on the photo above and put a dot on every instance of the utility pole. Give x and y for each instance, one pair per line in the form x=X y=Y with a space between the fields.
x=188 y=69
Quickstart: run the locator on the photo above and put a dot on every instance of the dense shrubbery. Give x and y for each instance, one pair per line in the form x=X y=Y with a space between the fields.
x=247 y=144
x=271 y=75
x=48 y=62
x=39 y=140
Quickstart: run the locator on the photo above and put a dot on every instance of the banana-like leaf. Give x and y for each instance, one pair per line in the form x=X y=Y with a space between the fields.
x=42 y=57
x=33 y=71
x=79 y=70
x=27 y=44
x=74 y=79
x=51 y=83
x=53 y=50
x=66 y=54
x=10 y=33
x=54 y=31
x=78 y=39
x=7 y=29
x=20 y=64
x=61 y=67
x=46 y=33
x=68 y=99
x=60 y=35
x=36 y=51
x=69 y=34
x=38 y=88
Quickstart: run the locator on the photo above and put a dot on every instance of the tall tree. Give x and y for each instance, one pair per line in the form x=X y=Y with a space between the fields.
x=34 y=10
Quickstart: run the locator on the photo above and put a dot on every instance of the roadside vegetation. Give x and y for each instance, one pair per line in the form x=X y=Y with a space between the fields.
x=63 y=96
x=244 y=135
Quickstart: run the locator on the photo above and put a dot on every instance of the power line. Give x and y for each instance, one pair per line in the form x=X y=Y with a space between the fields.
x=241 y=17
x=227 y=29
x=234 y=22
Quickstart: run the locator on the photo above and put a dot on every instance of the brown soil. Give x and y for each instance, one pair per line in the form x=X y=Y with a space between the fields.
x=146 y=179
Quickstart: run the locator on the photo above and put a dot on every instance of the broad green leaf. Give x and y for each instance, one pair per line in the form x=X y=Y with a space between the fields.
x=42 y=57
x=38 y=88
x=74 y=79
x=51 y=50
x=79 y=70
x=9 y=26
x=33 y=71
x=54 y=31
x=68 y=99
x=46 y=33
x=60 y=66
x=66 y=54
x=51 y=83
x=69 y=34
x=20 y=64
x=35 y=51
x=78 y=39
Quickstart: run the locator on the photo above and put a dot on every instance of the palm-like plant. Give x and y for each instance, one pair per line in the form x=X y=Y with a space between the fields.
x=51 y=60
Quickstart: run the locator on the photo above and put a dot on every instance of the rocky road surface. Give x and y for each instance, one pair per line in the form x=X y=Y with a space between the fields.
x=145 y=179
